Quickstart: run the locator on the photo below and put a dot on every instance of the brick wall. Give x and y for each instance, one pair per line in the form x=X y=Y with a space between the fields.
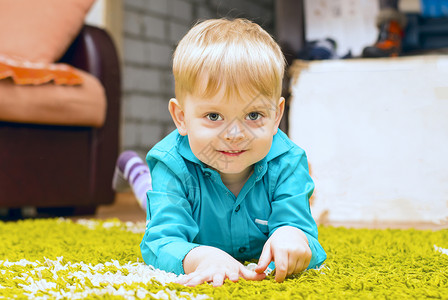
x=152 y=29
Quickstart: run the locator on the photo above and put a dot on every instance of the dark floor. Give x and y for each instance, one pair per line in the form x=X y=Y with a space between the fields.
x=125 y=208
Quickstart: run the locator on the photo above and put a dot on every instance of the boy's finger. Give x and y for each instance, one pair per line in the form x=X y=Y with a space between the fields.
x=281 y=267
x=307 y=262
x=300 y=266
x=199 y=279
x=183 y=279
x=218 y=279
x=302 y=263
x=251 y=275
x=265 y=259
x=234 y=277
x=293 y=263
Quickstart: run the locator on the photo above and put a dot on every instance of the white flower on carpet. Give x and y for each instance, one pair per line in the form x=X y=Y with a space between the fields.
x=79 y=280
x=137 y=227
x=441 y=250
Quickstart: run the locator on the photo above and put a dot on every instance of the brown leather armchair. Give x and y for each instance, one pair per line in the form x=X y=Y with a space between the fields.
x=66 y=169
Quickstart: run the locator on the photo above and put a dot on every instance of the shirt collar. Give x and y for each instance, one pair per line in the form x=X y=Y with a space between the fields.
x=185 y=150
x=280 y=144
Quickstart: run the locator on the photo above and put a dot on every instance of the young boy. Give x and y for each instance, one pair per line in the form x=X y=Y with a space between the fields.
x=228 y=185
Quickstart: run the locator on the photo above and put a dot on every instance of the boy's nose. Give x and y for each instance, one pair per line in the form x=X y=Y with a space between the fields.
x=234 y=133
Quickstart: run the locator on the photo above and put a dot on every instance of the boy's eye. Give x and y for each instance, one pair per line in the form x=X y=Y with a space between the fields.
x=214 y=117
x=253 y=116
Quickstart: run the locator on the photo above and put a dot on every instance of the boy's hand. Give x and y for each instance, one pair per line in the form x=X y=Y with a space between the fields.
x=210 y=264
x=288 y=248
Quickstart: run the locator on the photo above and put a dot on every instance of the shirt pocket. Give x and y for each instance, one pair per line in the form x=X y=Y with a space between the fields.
x=262 y=225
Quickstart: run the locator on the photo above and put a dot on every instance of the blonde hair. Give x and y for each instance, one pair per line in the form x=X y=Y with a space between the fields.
x=238 y=54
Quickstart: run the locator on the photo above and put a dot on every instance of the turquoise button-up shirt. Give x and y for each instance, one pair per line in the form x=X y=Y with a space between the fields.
x=190 y=206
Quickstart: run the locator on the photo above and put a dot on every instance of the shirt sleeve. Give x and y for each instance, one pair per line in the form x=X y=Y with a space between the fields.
x=170 y=227
x=290 y=205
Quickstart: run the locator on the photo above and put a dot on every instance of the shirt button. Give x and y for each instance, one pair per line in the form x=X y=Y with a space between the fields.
x=237 y=208
x=242 y=249
x=207 y=174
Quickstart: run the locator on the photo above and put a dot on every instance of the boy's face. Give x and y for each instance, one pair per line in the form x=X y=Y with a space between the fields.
x=229 y=135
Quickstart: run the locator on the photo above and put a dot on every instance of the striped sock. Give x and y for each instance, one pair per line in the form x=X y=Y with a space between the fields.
x=135 y=173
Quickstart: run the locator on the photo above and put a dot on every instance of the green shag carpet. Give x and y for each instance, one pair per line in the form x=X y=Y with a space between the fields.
x=61 y=259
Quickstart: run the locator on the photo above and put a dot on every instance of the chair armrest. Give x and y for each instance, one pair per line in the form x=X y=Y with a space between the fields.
x=94 y=51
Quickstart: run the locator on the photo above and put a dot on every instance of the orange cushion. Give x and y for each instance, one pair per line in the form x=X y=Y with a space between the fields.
x=40 y=30
x=25 y=72
x=78 y=105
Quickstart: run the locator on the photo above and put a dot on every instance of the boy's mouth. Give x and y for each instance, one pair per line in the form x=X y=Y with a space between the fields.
x=232 y=152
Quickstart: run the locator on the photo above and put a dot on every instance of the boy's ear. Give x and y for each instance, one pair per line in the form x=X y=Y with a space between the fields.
x=178 y=116
x=279 y=113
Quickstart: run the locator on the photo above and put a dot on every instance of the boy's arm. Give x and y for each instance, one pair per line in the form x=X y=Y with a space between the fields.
x=290 y=205
x=170 y=229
